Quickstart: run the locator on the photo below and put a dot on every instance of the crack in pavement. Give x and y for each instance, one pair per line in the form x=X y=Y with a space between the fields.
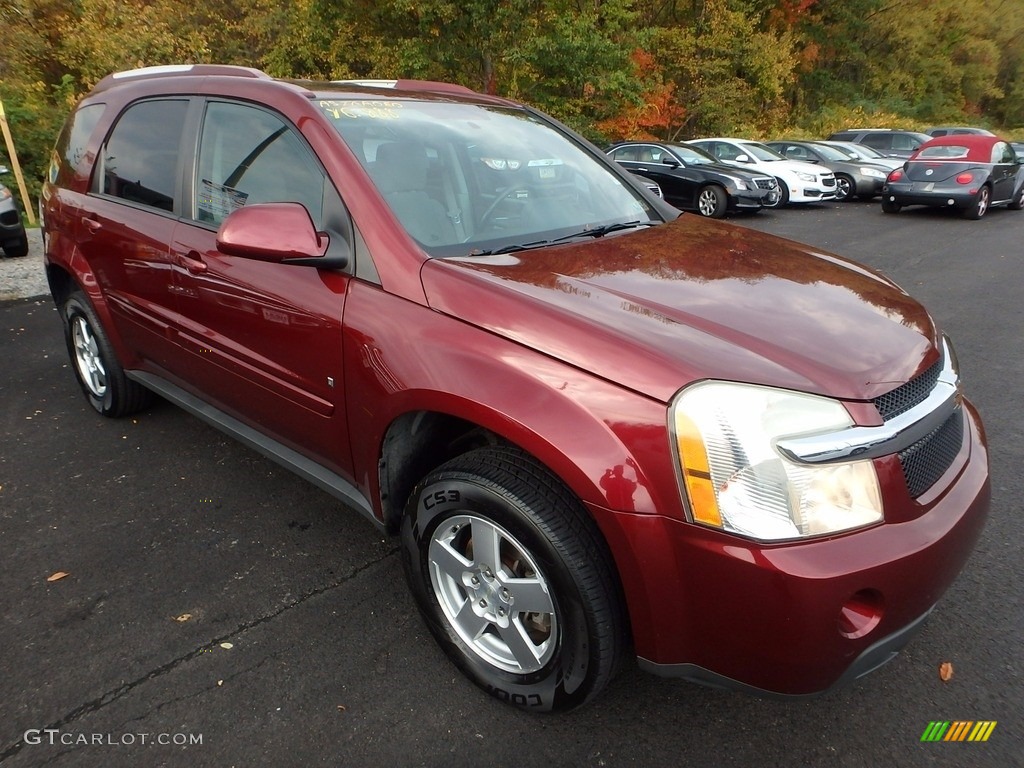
x=123 y=690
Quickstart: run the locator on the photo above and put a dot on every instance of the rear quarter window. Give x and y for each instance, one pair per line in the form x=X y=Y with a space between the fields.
x=69 y=155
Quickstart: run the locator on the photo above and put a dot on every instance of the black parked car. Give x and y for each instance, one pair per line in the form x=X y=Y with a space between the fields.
x=854 y=178
x=971 y=172
x=694 y=180
x=12 y=229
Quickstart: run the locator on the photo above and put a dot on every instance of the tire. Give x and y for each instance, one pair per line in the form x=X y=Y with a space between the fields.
x=541 y=550
x=783 y=195
x=95 y=365
x=846 y=188
x=980 y=205
x=890 y=206
x=18 y=250
x=712 y=201
x=1018 y=201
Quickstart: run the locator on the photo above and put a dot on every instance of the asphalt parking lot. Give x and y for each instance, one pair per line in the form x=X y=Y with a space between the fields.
x=219 y=604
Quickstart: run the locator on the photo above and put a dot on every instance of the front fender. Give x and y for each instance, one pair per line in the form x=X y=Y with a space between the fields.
x=608 y=444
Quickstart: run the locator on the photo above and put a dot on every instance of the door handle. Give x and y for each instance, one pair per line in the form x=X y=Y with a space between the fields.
x=193 y=262
x=92 y=225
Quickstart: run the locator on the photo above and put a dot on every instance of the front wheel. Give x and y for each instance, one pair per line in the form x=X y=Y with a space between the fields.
x=846 y=188
x=712 y=201
x=514 y=580
x=95 y=364
x=783 y=197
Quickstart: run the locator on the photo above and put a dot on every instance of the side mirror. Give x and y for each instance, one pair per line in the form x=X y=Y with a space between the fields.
x=671 y=162
x=281 y=233
x=742 y=159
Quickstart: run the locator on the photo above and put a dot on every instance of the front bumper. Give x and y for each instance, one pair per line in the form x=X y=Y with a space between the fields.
x=723 y=610
x=811 y=194
x=749 y=199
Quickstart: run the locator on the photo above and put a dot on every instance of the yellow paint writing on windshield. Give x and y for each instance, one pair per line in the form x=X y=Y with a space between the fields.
x=365 y=110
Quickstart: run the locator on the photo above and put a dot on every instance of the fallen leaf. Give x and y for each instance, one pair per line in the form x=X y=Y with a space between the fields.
x=227 y=646
x=56 y=576
x=220 y=682
x=945 y=671
x=183 y=617
x=341 y=707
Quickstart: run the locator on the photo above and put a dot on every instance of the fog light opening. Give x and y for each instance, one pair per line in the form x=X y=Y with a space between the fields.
x=860 y=614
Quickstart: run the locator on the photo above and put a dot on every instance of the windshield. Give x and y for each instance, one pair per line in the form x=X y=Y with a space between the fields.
x=831 y=153
x=693 y=155
x=761 y=151
x=466 y=178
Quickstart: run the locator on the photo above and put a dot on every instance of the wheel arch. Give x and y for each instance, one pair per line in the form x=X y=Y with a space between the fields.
x=65 y=279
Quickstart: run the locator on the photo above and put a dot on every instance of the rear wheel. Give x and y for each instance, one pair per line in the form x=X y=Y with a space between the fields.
x=1018 y=201
x=99 y=373
x=846 y=188
x=712 y=201
x=514 y=580
x=890 y=206
x=980 y=205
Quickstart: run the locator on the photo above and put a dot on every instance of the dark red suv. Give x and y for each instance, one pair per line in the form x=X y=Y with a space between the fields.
x=594 y=424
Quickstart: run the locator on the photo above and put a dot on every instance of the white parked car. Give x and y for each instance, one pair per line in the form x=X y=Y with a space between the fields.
x=799 y=182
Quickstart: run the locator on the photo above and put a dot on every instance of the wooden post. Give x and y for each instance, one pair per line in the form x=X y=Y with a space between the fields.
x=26 y=203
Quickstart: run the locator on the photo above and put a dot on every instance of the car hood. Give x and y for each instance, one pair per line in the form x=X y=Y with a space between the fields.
x=656 y=309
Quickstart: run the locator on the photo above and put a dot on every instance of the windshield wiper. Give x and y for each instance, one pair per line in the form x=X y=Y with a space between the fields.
x=604 y=230
x=590 y=232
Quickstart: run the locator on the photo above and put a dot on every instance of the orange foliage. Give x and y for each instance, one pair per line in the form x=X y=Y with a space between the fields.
x=657 y=110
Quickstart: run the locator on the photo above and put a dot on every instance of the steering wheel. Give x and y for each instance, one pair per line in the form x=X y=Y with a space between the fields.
x=485 y=217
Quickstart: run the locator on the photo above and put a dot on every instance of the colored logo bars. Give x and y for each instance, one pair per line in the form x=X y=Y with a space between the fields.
x=958 y=730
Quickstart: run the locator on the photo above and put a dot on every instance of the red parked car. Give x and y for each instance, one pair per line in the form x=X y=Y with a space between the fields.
x=597 y=426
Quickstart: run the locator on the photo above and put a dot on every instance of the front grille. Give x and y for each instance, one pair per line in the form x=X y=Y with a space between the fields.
x=765 y=183
x=925 y=461
x=902 y=399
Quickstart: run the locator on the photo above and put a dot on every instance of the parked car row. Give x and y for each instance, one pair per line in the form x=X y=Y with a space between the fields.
x=966 y=168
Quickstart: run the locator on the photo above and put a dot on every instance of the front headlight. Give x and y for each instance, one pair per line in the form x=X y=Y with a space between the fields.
x=872 y=172
x=740 y=183
x=806 y=176
x=737 y=481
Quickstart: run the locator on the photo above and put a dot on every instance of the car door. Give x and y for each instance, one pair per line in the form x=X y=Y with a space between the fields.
x=264 y=339
x=135 y=200
x=676 y=180
x=1004 y=172
x=640 y=159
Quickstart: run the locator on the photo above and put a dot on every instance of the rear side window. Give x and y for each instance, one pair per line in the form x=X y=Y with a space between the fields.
x=140 y=159
x=878 y=140
x=248 y=155
x=69 y=153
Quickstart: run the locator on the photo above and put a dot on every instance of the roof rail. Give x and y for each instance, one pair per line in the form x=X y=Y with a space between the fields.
x=410 y=85
x=177 y=70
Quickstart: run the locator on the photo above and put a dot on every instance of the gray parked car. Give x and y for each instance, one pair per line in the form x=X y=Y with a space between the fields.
x=886 y=140
x=866 y=153
x=12 y=229
x=854 y=178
